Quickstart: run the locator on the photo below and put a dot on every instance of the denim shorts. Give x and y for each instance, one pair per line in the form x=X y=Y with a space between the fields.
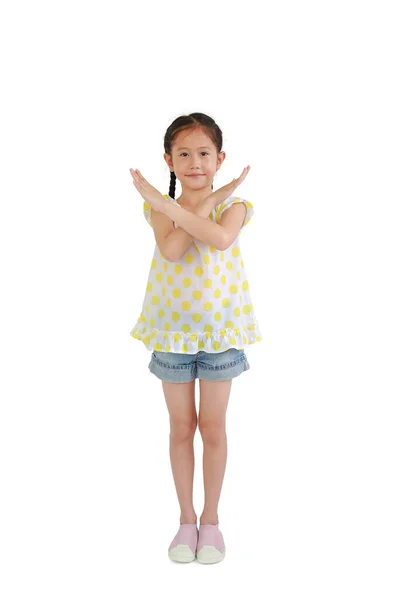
x=182 y=368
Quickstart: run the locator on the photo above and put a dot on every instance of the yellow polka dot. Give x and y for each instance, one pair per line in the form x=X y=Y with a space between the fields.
x=197 y=295
x=229 y=265
x=245 y=285
x=168 y=348
x=193 y=337
x=149 y=287
x=169 y=279
x=165 y=266
x=163 y=291
x=212 y=249
x=208 y=306
x=176 y=316
x=167 y=326
x=208 y=328
x=177 y=337
x=199 y=271
x=168 y=303
x=246 y=309
x=146 y=206
x=229 y=324
x=146 y=340
x=226 y=302
x=216 y=269
x=161 y=313
x=235 y=251
x=232 y=340
x=201 y=345
x=158 y=347
x=155 y=300
x=206 y=259
x=187 y=282
x=222 y=333
x=236 y=331
x=185 y=348
x=223 y=279
x=245 y=339
x=221 y=256
x=208 y=335
x=236 y=312
x=238 y=275
x=242 y=263
x=197 y=250
x=186 y=305
x=153 y=263
x=216 y=345
x=217 y=316
x=147 y=310
x=176 y=293
x=186 y=328
x=178 y=269
x=208 y=283
x=189 y=258
x=233 y=289
x=153 y=334
x=217 y=293
x=197 y=318
x=159 y=277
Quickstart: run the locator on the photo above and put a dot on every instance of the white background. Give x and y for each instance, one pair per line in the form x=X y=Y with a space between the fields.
x=307 y=93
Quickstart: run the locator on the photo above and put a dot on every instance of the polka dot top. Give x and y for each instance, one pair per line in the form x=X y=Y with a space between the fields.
x=202 y=301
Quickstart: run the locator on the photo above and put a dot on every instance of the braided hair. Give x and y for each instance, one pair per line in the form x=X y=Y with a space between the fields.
x=187 y=122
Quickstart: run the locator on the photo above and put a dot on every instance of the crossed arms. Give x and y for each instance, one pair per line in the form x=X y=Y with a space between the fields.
x=196 y=226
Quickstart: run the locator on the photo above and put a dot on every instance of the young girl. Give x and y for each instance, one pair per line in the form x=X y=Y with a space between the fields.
x=197 y=316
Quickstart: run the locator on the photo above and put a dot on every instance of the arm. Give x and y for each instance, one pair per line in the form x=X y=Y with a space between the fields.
x=197 y=226
x=179 y=240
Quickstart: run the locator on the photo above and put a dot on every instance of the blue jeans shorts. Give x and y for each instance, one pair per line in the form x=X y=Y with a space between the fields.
x=182 y=368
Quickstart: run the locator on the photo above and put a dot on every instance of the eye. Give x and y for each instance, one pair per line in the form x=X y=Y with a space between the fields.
x=204 y=152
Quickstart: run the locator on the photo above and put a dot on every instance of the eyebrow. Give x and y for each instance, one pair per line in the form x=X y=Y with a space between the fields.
x=208 y=148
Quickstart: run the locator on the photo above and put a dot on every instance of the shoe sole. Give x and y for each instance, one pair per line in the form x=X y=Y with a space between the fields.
x=181 y=553
x=209 y=555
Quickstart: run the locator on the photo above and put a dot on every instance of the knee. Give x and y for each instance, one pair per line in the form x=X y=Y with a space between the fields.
x=181 y=430
x=212 y=432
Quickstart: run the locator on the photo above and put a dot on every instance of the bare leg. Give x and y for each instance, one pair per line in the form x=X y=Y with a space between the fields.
x=214 y=397
x=180 y=399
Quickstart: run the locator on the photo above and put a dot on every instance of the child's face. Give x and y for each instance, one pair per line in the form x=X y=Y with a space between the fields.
x=193 y=152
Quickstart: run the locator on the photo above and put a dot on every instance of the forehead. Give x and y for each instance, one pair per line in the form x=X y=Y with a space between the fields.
x=193 y=140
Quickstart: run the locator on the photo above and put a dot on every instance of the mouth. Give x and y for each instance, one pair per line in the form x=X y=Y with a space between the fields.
x=197 y=175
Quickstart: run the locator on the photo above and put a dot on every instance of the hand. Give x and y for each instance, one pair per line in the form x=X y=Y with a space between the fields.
x=227 y=190
x=147 y=191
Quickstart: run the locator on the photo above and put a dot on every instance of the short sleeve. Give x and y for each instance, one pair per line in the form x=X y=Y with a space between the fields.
x=147 y=209
x=221 y=208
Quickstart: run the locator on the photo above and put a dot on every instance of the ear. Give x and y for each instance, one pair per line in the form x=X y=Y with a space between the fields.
x=220 y=159
x=168 y=160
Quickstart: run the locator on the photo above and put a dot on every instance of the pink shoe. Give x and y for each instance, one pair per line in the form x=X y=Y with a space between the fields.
x=210 y=546
x=183 y=546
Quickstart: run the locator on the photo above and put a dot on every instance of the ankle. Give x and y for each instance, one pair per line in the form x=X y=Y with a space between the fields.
x=190 y=519
x=209 y=520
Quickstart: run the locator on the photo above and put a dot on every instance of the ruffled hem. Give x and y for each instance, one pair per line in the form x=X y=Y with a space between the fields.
x=191 y=343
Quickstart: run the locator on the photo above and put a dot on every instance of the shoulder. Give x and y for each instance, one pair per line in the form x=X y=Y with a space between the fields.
x=220 y=209
x=147 y=209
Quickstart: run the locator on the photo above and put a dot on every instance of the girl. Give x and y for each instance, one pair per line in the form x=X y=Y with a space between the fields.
x=197 y=316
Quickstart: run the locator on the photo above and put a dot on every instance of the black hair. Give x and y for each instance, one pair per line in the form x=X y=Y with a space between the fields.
x=186 y=122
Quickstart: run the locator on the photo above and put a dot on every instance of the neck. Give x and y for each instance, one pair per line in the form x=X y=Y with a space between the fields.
x=192 y=198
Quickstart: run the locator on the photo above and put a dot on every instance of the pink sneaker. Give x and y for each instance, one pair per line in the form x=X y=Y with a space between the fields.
x=183 y=546
x=210 y=546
